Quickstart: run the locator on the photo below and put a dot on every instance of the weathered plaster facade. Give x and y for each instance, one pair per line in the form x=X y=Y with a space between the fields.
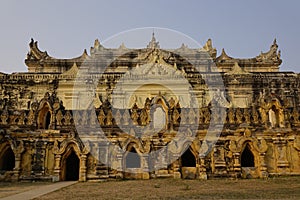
x=38 y=114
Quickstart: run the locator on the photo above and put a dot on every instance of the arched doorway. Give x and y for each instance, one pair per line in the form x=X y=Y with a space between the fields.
x=247 y=157
x=188 y=165
x=72 y=167
x=133 y=159
x=132 y=164
x=7 y=160
x=188 y=159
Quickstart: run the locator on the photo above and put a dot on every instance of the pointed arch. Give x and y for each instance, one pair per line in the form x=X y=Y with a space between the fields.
x=159 y=118
x=247 y=157
x=189 y=156
x=44 y=116
x=7 y=159
x=62 y=150
x=72 y=167
x=70 y=163
x=159 y=113
x=132 y=157
x=160 y=100
x=188 y=159
x=275 y=113
x=133 y=160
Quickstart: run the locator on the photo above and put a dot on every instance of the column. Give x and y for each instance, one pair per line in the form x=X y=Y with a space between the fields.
x=145 y=167
x=280 y=154
x=17 y=166
x=263 y=166
x=57 y=168
x=82 y=169
x=202 y=169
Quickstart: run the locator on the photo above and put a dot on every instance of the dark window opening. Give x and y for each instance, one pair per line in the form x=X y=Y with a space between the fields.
x=188 y=159
x=133 y=159
x=72 y=167
x=7 y=162
x=47 y=120
x=247 y=158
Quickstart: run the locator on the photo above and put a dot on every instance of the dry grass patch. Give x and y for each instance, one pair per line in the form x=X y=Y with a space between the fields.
x=274 y=188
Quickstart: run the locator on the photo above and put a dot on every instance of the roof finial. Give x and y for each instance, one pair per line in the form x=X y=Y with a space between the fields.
x=153 y=44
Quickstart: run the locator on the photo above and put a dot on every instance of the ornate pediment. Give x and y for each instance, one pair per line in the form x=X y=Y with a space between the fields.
x=236 y=69
x=156 y=71
x=71 y=72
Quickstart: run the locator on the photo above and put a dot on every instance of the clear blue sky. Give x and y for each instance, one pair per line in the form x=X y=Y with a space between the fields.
x=65 y=28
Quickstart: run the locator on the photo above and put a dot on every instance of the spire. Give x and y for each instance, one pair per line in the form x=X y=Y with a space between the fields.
x=122 y=46
x=153 y=44
x=96 y=44
x=274 y=42
x=274 y=45
x=209 y=48
x=97 y=47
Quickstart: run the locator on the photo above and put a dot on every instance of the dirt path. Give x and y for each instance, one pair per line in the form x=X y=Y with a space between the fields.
x=21 y=192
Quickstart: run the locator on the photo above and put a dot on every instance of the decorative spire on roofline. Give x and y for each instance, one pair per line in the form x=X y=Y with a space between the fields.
x=35 y=53
x=210 y=49
x=224 y=56
x=153 y=44
x=272 y=55
x=97 y=46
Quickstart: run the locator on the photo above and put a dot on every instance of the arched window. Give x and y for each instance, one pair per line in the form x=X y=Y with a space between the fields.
x=188 y=159
x=7 y=160
x=273 y=116
x=247 y=157
x=133 y=159
x=159 y=121
x=44 y=118
x=47 y=120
